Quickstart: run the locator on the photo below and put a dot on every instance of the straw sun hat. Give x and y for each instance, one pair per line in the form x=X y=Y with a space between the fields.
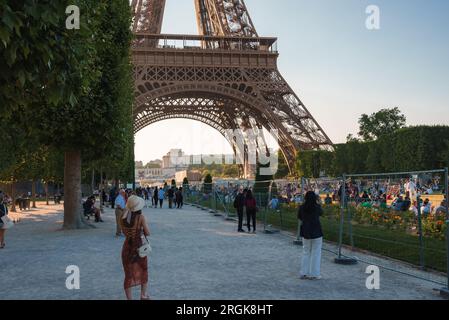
x=135 y=204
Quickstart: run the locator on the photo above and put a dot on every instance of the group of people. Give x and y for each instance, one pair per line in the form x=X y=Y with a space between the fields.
x=173 y=194
x=245 y=201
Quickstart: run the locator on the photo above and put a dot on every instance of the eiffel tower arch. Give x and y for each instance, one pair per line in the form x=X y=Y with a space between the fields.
x=225 y=77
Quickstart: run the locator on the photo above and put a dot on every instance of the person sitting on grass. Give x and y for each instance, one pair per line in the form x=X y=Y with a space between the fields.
x=274 y=203
x=407 y=202
x=442 y=209
x=397 y=204
x=328 y=200
x=90 y=209
x=365 y=197
x=426 y=208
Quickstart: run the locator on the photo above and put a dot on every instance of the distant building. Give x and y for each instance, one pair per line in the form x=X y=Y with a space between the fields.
x=191 y=175
x=154 y=164
x=175 y=159
x=139 y=164
x=151 y=176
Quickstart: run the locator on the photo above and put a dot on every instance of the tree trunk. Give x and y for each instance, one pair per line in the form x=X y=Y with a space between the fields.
x=92 y=182
x=72 y=190
x=33 y=193
x=46 y=193
x=13 y=198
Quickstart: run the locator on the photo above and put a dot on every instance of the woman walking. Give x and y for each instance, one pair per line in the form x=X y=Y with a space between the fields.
x=134 y=226
x=309 y=214
x=251 y=209
x=3 y=213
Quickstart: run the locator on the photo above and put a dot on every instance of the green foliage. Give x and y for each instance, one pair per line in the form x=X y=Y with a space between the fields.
x=312 y=163
x=385 y=121
x=65 y=89
x=283 y=169
x=208 y=183
x=33 y=54
x=407 y=149
x=262 y=186
x=217 y=170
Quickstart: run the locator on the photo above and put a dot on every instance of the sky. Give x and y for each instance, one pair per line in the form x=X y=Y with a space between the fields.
x=337 y=67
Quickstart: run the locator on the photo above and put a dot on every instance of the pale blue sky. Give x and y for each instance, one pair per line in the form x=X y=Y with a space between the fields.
x=338 y=68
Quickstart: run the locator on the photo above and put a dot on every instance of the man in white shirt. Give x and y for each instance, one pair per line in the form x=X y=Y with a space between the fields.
x=410 y=187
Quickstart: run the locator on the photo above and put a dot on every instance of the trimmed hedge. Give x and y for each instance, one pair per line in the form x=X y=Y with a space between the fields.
x=408 y=149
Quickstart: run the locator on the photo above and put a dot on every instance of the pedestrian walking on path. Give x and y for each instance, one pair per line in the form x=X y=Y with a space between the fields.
x=239 y=204
x=120 y=204
x=156 y=197
x=171 y=195
x=179 y=199
x=309 y=214
x=251 y=210
x=161 y=196
x=112 y=196
x=134 y=227
x=3 y=214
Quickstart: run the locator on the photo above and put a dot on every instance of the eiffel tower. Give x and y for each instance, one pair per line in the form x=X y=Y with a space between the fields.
x=225 y=77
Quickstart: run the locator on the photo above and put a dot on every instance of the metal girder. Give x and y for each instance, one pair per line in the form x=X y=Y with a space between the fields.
x=147 y=15
x=226 y=78
x=224 y=18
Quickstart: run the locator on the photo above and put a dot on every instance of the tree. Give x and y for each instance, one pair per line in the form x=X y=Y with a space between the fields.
x=312 y=163
x=208 y=183
x=383 y=122
x=93 y=114
x=230 y=171
x=262 y=185
x=283 y=169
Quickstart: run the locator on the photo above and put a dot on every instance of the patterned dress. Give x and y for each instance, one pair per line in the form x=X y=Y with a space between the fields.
x=135 y=267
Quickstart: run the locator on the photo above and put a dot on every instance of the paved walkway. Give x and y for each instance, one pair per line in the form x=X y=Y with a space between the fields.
x=195 y=256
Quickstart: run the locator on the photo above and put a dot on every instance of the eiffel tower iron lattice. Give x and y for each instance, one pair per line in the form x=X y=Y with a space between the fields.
x=226 y=77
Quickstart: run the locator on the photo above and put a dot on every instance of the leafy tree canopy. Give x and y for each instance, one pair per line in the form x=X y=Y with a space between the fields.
x=383 y=122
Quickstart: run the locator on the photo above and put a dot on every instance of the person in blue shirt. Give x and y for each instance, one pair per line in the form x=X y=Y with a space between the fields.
x=274 y=203
x=161 y=196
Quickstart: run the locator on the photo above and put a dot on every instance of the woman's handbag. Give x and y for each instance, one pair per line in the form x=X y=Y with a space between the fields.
x=145 y=249
x=7 y=223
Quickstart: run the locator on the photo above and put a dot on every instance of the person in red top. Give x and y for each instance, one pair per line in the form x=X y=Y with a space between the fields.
x=251 y=209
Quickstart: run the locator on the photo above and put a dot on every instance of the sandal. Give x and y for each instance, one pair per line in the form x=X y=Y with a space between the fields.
x=3 y=245
x=145 y=298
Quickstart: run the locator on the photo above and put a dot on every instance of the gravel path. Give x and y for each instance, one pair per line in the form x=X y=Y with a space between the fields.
x=195 y=256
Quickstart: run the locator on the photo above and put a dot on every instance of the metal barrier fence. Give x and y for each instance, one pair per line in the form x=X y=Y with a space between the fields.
x=364 y=227
x=403 y=216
